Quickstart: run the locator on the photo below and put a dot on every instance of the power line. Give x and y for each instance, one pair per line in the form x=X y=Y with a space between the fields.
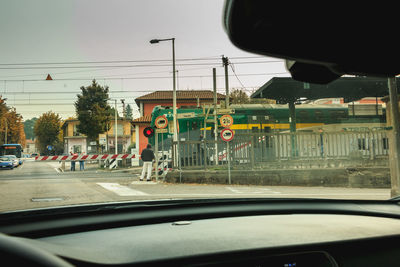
x=113 y=92
x=126 y=61
x=144 y=77
x=132 y=66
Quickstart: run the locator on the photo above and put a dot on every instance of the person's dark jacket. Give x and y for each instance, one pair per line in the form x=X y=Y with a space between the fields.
x=147 y=154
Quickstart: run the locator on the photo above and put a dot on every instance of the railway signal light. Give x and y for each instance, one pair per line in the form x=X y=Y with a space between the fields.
x=148 y=132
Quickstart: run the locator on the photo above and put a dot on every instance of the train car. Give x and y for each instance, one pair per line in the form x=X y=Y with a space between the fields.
x=272 y=118
x=322 y=131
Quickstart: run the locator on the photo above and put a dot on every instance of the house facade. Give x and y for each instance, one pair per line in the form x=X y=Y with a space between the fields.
x=146 y=104
x=30 y=147
x=76 y=142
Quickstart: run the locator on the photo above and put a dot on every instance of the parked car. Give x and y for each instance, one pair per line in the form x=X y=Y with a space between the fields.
x=6 y=162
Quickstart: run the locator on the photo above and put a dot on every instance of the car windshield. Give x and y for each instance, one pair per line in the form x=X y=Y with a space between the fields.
x=5 y=159
x=114 y=101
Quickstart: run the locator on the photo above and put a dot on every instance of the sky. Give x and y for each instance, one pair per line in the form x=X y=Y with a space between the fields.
x=78 y=41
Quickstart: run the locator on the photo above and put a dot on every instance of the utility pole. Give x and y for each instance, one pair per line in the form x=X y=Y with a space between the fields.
x=5 y=137
x=116 y=128
x=394 y=145
x=215 y=115
x=225 y=62
x=175 y=135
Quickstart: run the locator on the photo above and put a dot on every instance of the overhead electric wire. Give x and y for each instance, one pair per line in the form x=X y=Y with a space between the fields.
x=131 y=66
x=142 y=78
x=217 y=58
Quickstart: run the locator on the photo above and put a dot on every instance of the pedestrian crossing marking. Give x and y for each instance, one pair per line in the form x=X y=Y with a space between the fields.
x=121 y=190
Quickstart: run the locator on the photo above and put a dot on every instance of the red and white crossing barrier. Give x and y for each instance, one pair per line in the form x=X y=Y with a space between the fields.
x=87 y=157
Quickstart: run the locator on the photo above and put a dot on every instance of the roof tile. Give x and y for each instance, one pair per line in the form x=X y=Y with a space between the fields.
x=180 y=94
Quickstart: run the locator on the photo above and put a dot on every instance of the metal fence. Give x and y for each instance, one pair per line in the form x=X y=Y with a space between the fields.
x=256 y=148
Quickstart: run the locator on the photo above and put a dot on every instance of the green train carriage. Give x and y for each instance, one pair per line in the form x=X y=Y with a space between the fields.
x=271 y=118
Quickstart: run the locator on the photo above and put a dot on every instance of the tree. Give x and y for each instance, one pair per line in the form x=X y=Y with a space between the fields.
x=10 y=124
x=28 y=128
x=238 y=96
x=128 y=114
x=15 y=131
x=93 y=112
x=47 y=129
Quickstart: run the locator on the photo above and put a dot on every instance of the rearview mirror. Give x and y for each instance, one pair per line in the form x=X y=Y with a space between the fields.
x=329 y=40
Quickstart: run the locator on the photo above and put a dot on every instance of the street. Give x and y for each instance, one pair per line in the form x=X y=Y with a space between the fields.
x=42 y=184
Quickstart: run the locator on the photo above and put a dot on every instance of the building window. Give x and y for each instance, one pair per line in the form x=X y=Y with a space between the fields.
x=77 y=149
x=319 y=115
x=361 y=144
x=338 y=114
x=75 y=130
x=303 y=114
x=385 y=142
x=120 y=129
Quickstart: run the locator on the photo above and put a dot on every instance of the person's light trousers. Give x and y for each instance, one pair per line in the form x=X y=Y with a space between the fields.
x=147 y=166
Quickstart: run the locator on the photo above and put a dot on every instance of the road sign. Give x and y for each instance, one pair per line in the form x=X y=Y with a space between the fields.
x=225 y=111
x=161 y=122
x=227 y=134
x=49 y=147
x=161 y=130
x=226 y=121
x=187 y=115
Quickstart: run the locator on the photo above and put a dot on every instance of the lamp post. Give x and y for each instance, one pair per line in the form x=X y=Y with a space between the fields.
x=175 y=135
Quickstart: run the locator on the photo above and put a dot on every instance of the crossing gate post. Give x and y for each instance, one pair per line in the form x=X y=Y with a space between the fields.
x=156 y=168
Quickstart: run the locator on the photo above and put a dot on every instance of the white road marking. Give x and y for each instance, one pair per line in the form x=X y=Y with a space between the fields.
x=121 y=190
x=143 y=182
x=251 y=190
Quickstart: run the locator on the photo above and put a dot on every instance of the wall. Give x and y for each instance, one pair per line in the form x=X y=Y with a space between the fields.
x=126 y=128
x=142 y=139
x=71 y=142
x=377 y=177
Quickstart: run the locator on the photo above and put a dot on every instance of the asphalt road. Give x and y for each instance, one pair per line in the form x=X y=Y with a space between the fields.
x=42 y=184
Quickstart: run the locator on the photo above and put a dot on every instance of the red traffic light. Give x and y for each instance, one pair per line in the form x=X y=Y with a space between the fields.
x=148 y=132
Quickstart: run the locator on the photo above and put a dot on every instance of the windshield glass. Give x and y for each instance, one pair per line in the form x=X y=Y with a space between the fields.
x=88 y=90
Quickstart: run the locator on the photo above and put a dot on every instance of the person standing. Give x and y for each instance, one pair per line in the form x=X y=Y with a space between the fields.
x=147 y=157
x=82 y=163
x=72 y=162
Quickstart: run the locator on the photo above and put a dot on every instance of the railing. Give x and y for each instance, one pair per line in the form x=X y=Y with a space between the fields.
x=260 y=148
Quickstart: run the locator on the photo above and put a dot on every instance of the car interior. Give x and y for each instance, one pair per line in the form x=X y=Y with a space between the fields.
x=319 y=48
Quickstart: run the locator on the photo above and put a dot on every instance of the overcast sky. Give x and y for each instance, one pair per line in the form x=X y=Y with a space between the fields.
x=50 y=31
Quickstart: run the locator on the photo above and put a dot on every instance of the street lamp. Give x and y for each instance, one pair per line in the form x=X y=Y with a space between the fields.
x=175 y=136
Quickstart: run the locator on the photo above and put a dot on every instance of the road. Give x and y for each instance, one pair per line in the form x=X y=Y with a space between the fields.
x=42 y=184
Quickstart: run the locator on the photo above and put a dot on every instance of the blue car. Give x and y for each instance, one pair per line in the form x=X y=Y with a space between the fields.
x=6 y=162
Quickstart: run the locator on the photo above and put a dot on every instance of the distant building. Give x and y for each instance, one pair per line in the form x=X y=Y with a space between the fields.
x=30 y=147
x=74 y=141
x=146 y=104
x=365 y=100
x=77 y=143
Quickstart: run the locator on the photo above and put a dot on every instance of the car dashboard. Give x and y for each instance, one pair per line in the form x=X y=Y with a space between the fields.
x=217 y=233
